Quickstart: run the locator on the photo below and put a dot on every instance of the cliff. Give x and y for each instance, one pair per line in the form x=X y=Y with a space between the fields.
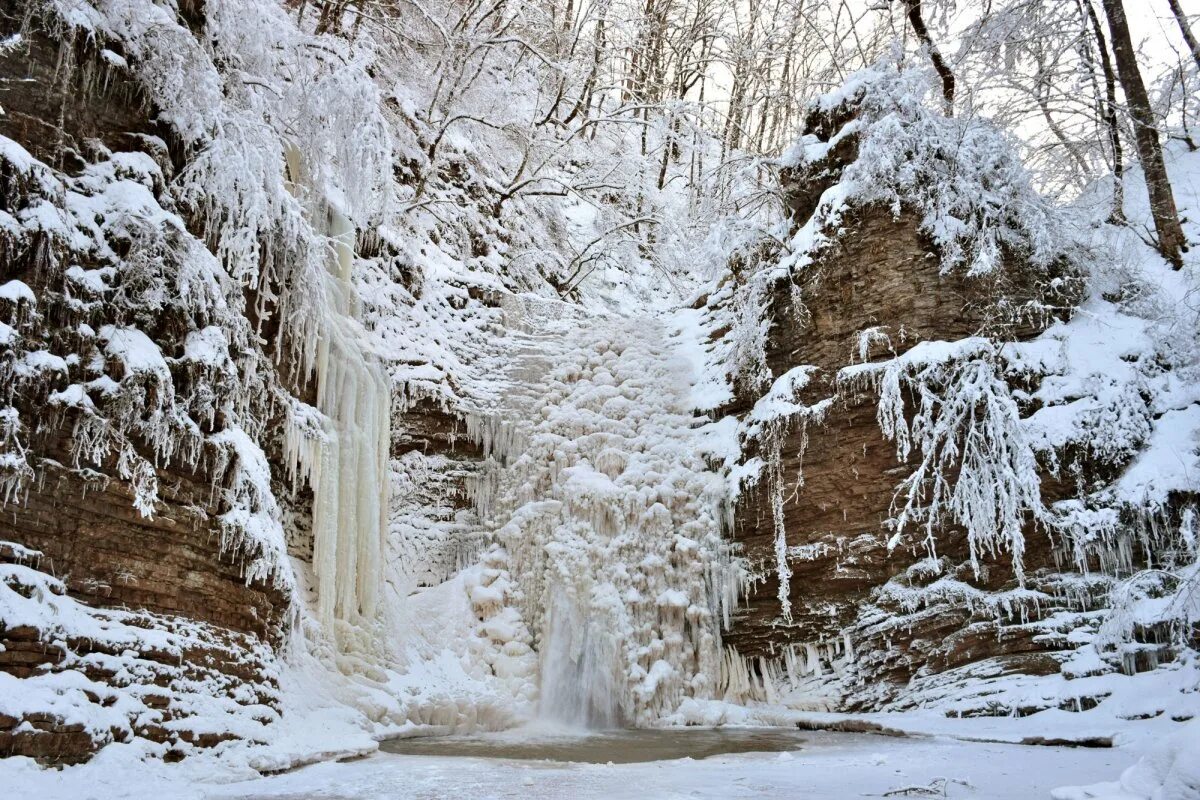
x=137 y=579
x=913 y=478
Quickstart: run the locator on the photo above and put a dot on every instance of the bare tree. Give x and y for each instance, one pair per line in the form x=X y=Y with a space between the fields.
x=1171 y=241
x=1108 y=109
x=1186 y=30
x=913 y=10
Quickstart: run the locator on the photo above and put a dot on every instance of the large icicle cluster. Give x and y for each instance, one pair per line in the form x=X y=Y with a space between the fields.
x=612 y=523
x=283 y=172
x=342 y=454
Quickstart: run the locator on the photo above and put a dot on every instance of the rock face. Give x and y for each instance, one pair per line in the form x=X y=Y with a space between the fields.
x=72 y=534
x=91 y=536
x=69 y=99
x=436 y=460
x=873 y=293
x=147 y=387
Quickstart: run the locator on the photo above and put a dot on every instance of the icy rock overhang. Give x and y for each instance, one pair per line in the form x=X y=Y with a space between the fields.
x=905 y=469
x=176 y=297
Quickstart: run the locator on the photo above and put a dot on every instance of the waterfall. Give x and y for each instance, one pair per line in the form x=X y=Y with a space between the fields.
x=342 y=452
x=610 y=516
x=580 y=668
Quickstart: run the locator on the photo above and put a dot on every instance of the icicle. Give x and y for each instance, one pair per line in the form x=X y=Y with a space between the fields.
x=342 y=448
x=814 y=660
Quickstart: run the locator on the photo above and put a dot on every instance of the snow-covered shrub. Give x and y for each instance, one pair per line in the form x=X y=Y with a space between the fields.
x=961 y=175
x=750 y=331
x=976 y=467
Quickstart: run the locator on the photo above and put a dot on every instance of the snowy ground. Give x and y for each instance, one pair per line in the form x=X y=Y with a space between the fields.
x=832 y=766
x=829 y=765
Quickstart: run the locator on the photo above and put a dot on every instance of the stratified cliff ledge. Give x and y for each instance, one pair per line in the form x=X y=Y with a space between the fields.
x=123 y=583
x=894 y=347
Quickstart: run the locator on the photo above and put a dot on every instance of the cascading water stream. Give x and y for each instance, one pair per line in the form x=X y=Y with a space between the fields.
x=580 y=668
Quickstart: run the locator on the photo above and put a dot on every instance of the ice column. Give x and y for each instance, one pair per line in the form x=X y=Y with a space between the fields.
x=342 y=454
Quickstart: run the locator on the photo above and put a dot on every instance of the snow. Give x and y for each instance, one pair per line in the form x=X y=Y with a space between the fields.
x=94 y=280
x=1171 y=769
x=136 y=351
x=15 y=291
x=827 y=766
x=207 y=346
x=778 y=402
x=1171 y=460
x=590 y=579
x=252 y=523
x=37 y=361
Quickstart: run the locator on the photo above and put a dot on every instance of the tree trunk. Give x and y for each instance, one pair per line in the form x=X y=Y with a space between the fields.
x=1109 y=113
x=913 y=7
x=1171 y=242
x=1186 y=30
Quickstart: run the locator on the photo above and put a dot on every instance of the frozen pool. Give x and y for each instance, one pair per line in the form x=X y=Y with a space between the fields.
x=603 y=747
x=820 y=765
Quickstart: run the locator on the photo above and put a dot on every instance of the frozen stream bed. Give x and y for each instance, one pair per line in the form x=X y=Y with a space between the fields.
x=803 y=764
x=605 y=747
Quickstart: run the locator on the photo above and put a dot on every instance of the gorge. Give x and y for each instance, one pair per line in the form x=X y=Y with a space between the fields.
x=378 y=370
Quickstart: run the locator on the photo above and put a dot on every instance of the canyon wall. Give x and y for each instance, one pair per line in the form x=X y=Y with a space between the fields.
x=125 y=587
x=871 y=615
x=165 y=344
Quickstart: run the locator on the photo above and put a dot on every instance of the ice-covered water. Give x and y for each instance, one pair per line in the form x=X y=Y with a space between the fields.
x=826 y=766
x=606 y=746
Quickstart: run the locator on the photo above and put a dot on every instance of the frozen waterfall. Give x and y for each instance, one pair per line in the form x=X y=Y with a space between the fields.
x=342 y=451
x=610 y=517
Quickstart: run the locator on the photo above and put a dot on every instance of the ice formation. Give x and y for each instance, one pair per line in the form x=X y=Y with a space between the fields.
x=773 y=417
x=342 y=450
x=611 y=520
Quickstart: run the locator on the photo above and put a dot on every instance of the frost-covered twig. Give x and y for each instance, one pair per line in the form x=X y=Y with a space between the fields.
x=976 y=468
x=938 y=787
